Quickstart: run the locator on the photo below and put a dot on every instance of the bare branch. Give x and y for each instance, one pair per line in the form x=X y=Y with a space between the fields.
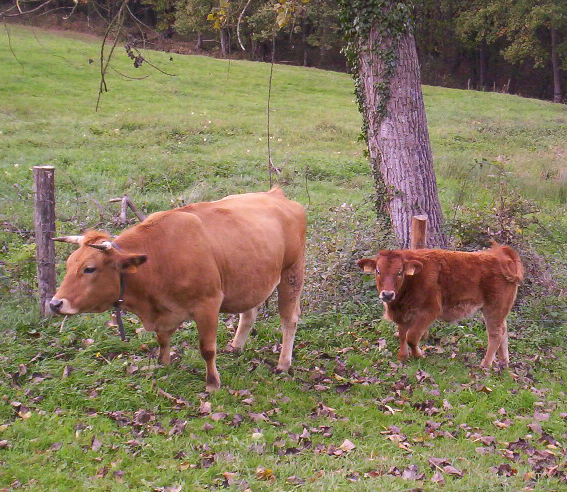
x=127 y=76
x=11 y=48
x=238 y=25
x=73 y=10
x=270 y=165
x=118 y=19
x=127 y=202
x=23 y=12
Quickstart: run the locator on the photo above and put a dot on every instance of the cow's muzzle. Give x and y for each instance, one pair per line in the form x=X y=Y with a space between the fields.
x=61 y=306
x=387 y=295
x=55 y=305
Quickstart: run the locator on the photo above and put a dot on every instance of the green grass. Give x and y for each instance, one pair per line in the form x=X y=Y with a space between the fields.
x=81 y=410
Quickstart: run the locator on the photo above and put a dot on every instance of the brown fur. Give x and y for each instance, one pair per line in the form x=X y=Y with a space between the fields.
x=194 y=262
x=420 y=286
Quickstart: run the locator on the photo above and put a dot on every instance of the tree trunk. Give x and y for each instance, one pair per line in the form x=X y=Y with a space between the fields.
x=199 y=45
x=225 y=42
x=398 y=141
x=557 y=92
x=304 y=44
x=482 y=65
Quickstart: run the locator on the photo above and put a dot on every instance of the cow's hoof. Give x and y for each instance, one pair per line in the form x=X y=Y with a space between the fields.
x=283 y=368
x=230 y=349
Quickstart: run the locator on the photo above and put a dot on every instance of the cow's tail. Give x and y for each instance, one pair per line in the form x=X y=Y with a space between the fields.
x=510 y=263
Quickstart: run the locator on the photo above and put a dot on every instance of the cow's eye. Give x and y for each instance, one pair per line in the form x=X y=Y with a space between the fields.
x=377 y=272
x=400 y=273
x=89 y=270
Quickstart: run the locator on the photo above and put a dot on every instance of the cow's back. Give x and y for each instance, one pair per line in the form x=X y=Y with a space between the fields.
x=253 y=238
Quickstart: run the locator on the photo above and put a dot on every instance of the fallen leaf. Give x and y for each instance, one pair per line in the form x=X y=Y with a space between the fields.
x=504 y=469
x=347 y=446
x=264 y=473
x=95 y=444
x=412 y=473
x=295 y=480
x=205 y=407
x=540 y=416
x=451 y=470
x=438 y=478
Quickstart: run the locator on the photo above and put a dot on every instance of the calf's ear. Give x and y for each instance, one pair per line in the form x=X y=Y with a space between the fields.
x=130 y=263
x=367 y=265
x=413 y=267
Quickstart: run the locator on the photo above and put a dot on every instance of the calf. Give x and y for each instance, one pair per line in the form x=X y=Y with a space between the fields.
x=419 y=286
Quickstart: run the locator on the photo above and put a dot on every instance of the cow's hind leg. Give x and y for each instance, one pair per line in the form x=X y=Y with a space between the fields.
x=207 y=324
x=289 y=293
x=245 y=322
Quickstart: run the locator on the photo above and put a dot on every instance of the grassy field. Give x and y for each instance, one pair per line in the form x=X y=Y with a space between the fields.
x=81 y=410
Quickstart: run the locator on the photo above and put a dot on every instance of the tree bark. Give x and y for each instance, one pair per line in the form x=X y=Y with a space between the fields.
x=557 y=92
x=398 y=141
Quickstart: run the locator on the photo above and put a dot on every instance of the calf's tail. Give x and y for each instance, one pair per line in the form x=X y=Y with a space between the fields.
x=510 y=263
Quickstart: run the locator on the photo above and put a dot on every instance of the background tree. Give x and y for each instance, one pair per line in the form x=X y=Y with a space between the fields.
x=382 y=54
x=191 y=18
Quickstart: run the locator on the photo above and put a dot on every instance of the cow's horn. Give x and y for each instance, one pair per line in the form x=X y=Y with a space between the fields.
x=70 y=239
x=104 y=246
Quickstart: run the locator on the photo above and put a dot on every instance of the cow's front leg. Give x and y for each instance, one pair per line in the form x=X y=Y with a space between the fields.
x=207 y=324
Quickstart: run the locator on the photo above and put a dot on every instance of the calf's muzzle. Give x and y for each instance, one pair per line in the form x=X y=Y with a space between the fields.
x=387 y=295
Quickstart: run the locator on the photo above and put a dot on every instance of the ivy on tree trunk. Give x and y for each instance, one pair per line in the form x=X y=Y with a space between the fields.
x=383 y=58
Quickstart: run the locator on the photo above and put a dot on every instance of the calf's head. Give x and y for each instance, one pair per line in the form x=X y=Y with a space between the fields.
x=390 y=269
x=92 y=280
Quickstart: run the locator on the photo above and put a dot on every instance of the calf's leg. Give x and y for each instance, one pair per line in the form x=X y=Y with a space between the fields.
x=411 y=333
x=289 y=292
x=164 y=338
x=497 y=342
x=245 y=322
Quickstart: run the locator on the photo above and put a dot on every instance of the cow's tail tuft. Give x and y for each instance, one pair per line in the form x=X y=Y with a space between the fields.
x=510 y=263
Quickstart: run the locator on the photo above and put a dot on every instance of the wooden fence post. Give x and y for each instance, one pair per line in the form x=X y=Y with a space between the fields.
x=418 y=239
x=44 y=216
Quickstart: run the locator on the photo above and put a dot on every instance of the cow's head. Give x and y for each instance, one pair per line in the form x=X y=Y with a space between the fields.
x=92 y=280
x=390 y=269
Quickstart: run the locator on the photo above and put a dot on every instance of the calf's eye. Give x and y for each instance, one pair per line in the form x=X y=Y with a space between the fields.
x=89 y=270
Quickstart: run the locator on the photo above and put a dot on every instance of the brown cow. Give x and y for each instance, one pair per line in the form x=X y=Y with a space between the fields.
x=419 y=286
x=192 y=263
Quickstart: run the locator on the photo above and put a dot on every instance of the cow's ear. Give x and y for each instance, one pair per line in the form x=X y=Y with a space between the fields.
x=367 y=265
x=130 y=263
x=413 y=267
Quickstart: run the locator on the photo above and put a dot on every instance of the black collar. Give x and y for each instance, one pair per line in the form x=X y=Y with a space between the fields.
x=118 y=309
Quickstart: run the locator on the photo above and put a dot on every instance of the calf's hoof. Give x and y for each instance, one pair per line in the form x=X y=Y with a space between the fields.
x=212 y=386
x=403 y=357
